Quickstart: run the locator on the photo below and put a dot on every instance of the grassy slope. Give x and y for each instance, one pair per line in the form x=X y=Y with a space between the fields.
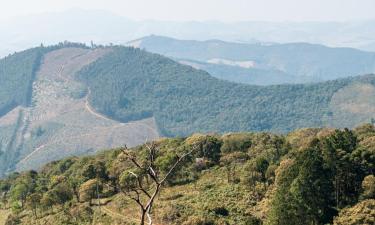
x=3 y=216
x=201 y=198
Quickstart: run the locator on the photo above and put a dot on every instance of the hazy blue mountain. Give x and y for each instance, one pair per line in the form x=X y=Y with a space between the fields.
x=104 y=27
x=263 y=64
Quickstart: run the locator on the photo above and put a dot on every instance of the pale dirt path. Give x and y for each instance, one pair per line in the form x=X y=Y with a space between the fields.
x=62 y=74
x=101 y=116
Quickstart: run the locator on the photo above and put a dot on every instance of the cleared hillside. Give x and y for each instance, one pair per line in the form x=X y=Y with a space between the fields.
x=130 y=84
x=264 y=64
x=60 y=122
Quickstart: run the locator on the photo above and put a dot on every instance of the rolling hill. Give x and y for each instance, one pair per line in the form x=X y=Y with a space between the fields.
x=263 y=64
x=77 y=100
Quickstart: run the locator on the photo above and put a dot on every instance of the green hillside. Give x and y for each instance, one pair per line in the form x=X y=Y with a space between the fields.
x=131 y=84
x=309 y=176
x=17 y=73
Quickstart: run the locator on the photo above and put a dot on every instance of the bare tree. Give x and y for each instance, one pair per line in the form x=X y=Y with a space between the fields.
x=138 y=186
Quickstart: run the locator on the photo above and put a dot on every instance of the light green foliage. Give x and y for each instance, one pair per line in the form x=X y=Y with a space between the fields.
x=271 y=181
x=368 y=187
x=362 y=213
x=236 y=142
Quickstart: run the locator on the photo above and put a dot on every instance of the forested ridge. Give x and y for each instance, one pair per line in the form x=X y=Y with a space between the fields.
x=131 y=84
x=309 y=176
x=17 y=73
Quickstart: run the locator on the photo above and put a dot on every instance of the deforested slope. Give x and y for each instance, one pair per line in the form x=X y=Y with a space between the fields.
x=59 y=121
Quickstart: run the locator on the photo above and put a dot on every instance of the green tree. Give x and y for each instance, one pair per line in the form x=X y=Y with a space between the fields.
x=347 y=174
x=19 y=193
x=303 y=191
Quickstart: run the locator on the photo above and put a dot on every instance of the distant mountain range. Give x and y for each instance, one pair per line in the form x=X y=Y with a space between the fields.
x=72 y=100
x=263 y=64
x=103 y=27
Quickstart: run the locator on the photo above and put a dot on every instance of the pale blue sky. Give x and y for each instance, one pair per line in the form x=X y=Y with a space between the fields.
x=222 y=10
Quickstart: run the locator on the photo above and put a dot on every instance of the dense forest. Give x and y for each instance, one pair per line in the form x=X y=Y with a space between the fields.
x=130 y=84
x=17 y=73
x=309 y=176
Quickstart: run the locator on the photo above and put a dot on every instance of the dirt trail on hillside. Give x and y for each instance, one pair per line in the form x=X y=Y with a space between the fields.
x=62 y=123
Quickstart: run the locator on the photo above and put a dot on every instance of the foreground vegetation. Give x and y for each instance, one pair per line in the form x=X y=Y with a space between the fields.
x=309 y=176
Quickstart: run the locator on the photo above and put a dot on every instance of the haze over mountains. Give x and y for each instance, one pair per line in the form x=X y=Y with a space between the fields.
x=104 y=27
x=263 y=64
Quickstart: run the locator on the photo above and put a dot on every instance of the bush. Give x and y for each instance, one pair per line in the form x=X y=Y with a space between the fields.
x=196 y=220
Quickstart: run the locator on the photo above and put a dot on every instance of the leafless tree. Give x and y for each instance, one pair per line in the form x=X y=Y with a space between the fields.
x=144 y=186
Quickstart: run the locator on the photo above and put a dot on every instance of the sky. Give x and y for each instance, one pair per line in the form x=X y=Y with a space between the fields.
x=204 y=10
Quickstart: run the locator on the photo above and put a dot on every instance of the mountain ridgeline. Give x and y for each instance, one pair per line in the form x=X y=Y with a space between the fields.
x=131 y=84
x=73 y=100
x=263 y=64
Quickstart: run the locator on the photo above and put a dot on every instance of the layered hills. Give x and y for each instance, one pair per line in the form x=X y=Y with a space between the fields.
x=72 y=100
x=263 y=64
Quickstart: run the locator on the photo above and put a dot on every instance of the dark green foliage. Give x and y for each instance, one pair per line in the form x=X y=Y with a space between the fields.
x=303 y=192
x=208 y=147
x=131 y=84
x=17 y=73
x=338 y=152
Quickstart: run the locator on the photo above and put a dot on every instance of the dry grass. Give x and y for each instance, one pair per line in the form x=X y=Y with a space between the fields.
x=3 y=216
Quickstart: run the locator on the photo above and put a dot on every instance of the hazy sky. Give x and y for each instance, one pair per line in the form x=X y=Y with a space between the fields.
x=222 y=10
